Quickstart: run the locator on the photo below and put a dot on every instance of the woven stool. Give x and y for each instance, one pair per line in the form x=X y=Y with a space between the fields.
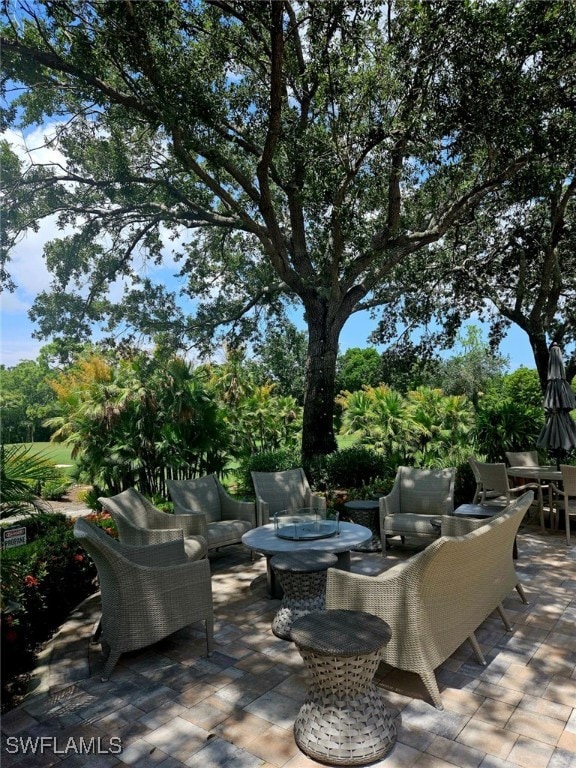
x=344 y=720
x=302 y=576
x=366 y=512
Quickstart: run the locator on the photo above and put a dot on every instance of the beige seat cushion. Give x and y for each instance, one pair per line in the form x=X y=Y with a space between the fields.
x=226 y=532
x=408 y=523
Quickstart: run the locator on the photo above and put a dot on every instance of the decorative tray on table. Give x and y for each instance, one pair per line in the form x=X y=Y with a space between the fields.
x=304 y=524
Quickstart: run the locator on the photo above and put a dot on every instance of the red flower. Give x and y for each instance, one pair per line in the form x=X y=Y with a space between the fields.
x=78 y=558
x=30 y=581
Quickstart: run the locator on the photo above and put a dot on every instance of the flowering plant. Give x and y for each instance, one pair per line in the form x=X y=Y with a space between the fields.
x=42 y=581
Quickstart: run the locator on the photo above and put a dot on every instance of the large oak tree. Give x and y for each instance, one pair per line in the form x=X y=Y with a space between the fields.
x=296 y=151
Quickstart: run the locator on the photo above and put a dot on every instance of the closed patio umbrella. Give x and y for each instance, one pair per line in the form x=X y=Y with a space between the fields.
x=558 y=435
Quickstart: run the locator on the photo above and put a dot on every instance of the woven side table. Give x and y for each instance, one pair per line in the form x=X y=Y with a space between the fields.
x=302 y=576
x=366 y=512
x=344 y=720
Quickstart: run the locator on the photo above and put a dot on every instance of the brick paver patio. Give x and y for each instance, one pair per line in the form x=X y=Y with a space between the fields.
x=169 y=706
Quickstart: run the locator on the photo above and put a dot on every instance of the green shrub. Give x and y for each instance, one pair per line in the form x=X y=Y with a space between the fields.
x=53 y=490
x=354 y=467
x=22 y=473
x=506 y=425
x=91 y=496
x=42 y=581
x=268 y=461
x=465 y=484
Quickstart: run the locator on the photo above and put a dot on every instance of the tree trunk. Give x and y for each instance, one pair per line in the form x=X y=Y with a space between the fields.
x=541 y=356
x=318 y=418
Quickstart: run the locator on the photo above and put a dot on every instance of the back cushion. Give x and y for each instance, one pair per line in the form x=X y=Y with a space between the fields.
x=424 y=491
x=200 y=495
x=282 y=490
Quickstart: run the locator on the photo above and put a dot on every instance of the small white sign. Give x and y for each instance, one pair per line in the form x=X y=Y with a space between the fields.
x=14 y=537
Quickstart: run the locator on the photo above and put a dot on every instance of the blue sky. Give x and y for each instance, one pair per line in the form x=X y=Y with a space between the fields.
x=29 y=271
x=16 y=329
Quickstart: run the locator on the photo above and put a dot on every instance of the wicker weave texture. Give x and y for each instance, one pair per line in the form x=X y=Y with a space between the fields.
x=148 y=592
x=417 y=496
x=460 y=526
x=304 y=590
x=223 y=520
x=435 y=601
x=277 y=491
x=344 y=720
x=139 y=523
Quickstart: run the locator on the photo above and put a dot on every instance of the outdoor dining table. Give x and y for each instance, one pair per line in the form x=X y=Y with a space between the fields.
x=539 y=473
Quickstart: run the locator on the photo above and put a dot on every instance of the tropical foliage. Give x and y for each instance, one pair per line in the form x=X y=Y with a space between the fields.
x=26 y=401
x=42 y=581
x=23 y=473
x=139 y=421
x=425 y=427
x=257 y=419
x=136 y=420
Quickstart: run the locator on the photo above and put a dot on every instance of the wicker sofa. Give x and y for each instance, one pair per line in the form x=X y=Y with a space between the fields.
x=437 y=599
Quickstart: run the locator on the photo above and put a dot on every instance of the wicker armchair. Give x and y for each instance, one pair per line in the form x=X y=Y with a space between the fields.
x=148 y=592
x=437 y=599
x=139 y=523
x=417 y=497
x=276 y=491
x=219 y=518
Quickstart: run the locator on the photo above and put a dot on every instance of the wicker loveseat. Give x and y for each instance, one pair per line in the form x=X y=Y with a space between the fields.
x=437 y=599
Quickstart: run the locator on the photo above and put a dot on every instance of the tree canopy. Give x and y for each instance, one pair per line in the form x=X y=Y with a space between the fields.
x=287 y=152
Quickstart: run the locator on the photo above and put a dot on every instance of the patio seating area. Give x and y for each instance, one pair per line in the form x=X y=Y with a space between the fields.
x=171 y=706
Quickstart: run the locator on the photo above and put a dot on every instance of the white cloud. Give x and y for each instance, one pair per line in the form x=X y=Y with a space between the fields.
x=37 y=146
x=27 y=265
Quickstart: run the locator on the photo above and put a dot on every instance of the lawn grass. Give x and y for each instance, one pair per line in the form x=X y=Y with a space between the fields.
x=346 y=441
x=59 y=453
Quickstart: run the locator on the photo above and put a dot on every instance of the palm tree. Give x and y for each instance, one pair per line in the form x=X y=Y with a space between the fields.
x=22 y=472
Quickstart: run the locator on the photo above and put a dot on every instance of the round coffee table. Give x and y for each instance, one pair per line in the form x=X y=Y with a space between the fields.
x=265 y=541
x=344 y=720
